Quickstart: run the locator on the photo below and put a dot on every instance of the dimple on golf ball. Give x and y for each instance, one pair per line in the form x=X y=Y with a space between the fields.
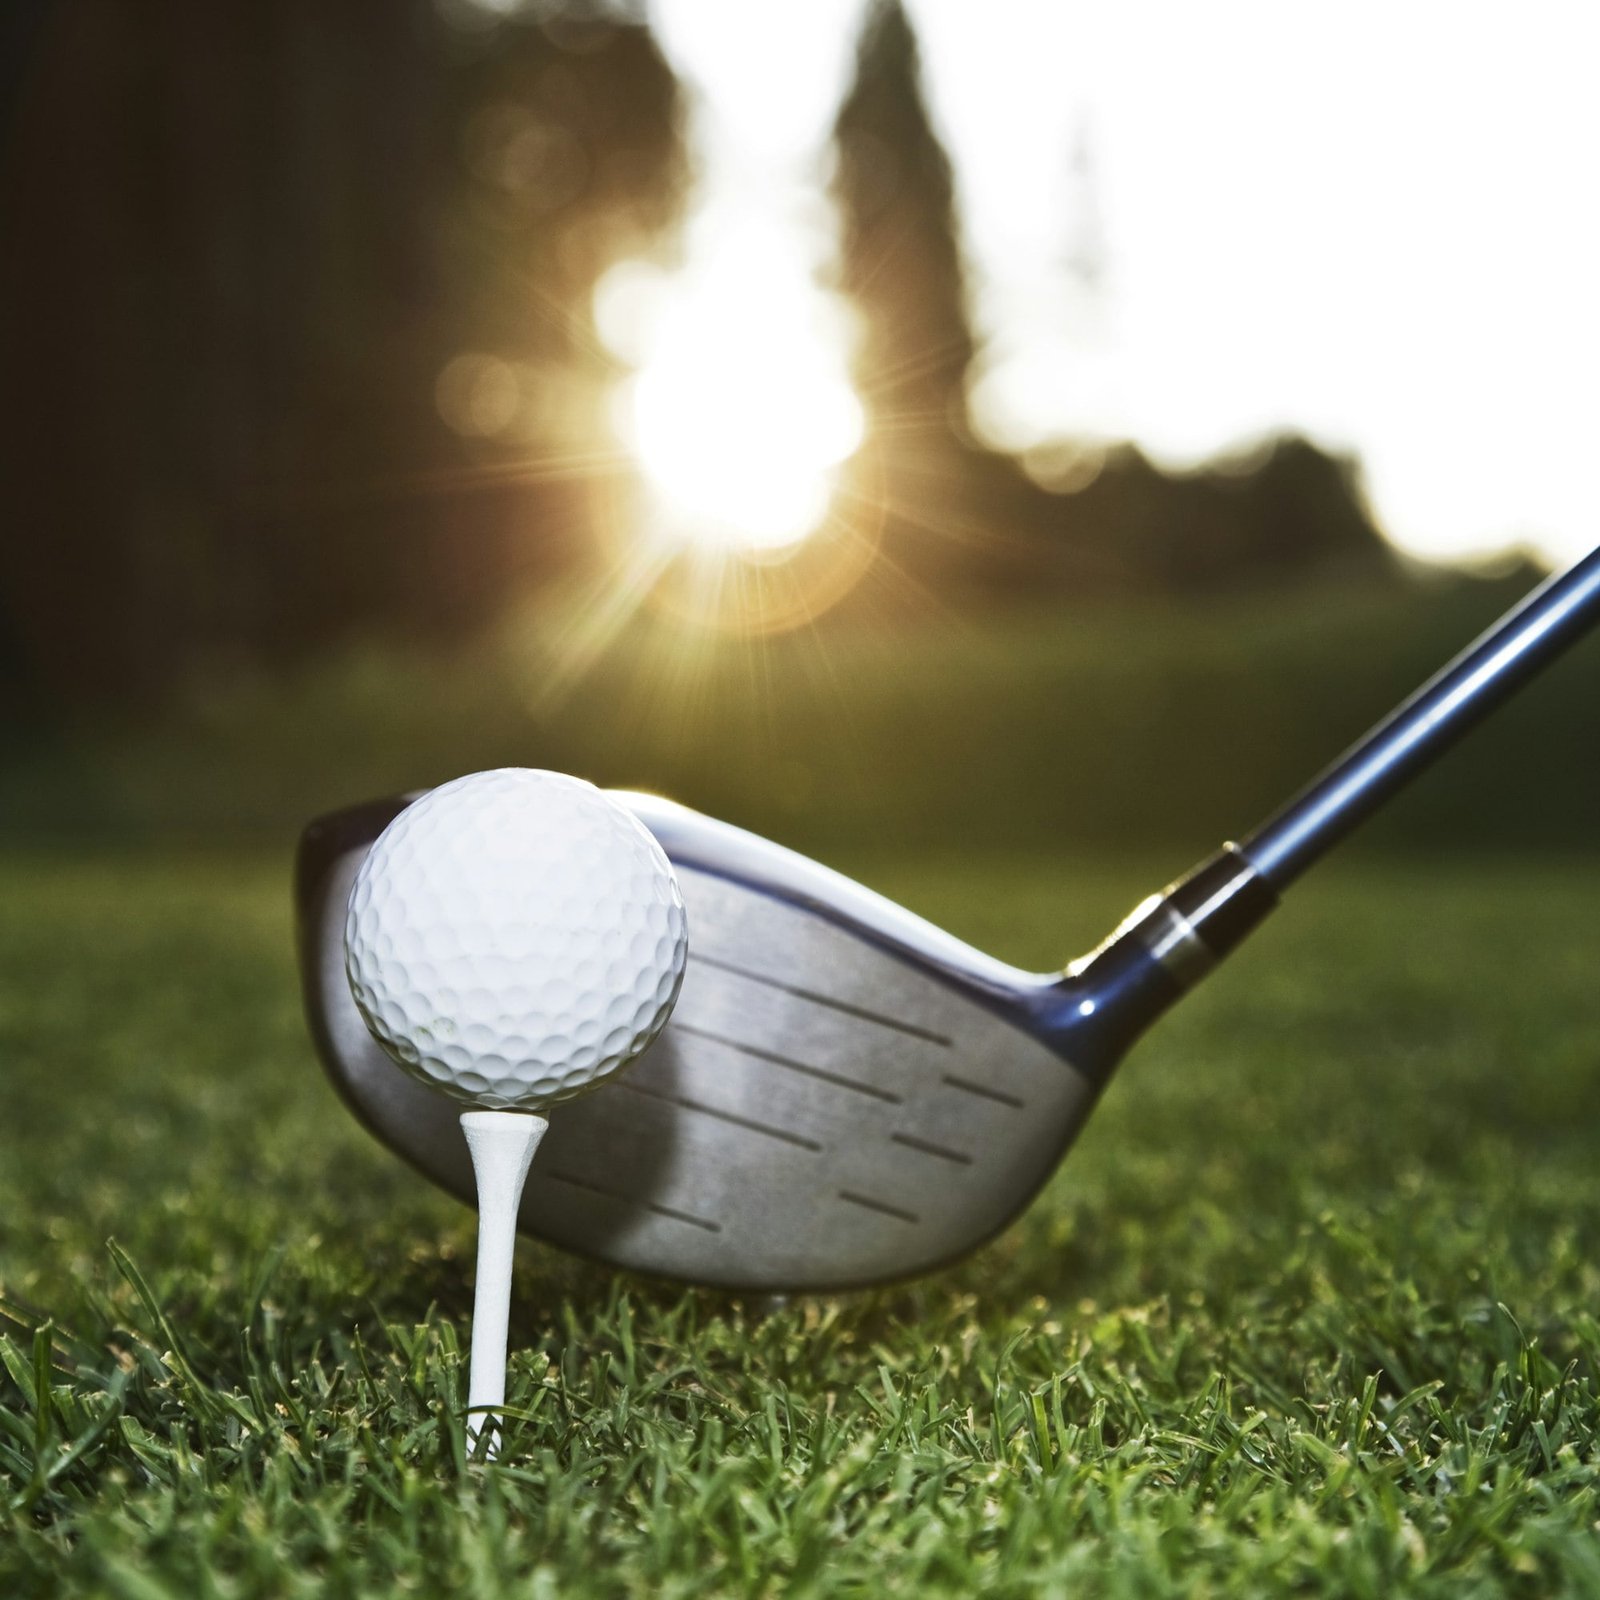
x=514 y=937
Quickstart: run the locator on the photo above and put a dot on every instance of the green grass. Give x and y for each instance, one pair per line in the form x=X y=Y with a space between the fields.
x=1311 y=1309
x=1048 y=728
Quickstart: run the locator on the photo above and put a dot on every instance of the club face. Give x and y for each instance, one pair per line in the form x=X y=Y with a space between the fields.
x=844 y=1095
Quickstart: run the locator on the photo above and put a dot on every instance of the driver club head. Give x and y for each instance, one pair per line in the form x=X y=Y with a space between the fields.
x=844 y=1095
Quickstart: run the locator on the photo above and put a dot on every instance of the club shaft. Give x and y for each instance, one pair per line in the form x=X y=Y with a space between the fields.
x=1554 y=616
x=1175 y=938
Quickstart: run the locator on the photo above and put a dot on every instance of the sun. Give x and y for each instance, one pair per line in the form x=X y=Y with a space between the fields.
x=741 y=439
x=740 y=410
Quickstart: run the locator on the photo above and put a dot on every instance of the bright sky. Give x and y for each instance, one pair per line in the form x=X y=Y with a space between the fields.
x=1372 y=222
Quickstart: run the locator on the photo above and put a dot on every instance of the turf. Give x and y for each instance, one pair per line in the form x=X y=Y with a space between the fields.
x=1311 y=1309
x=1042 y=728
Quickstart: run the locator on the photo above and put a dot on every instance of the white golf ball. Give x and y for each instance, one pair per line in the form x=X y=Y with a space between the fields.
x=514 y=937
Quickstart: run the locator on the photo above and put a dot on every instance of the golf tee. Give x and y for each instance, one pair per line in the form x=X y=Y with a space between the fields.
x=502 y=1145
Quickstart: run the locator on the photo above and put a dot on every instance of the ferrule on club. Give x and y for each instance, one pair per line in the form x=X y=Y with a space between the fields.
x=1193 y=923
x=502 y=1144
x=1165 y=946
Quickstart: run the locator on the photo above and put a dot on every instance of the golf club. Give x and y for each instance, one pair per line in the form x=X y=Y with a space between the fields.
x=845 y=1094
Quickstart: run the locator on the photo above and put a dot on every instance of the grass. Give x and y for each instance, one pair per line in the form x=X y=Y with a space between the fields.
x=1056 y=728
x=1311 y=1309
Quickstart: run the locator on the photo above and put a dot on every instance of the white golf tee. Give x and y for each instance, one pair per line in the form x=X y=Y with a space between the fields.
x=502 y=1145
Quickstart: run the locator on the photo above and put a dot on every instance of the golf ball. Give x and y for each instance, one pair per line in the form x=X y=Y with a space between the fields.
x=514 y=937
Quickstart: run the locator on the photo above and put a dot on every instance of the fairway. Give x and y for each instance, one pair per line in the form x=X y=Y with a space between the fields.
x=592 y=519
x=1311 y=1308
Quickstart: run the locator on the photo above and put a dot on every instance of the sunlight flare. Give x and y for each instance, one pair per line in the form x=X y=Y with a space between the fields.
x=740 y=410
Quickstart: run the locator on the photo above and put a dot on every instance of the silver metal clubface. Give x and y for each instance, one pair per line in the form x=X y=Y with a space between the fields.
x=845 y=1095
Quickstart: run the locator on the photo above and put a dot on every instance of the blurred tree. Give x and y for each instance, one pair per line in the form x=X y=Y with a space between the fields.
x=295 y=337
x=956 y=513
x=1285 y=511
x=900 y=264
x=244 y=243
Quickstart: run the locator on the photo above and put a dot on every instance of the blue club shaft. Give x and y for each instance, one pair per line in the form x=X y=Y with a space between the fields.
x=1555 y=615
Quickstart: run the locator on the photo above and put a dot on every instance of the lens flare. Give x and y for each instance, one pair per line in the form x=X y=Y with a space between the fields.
x=740 y=412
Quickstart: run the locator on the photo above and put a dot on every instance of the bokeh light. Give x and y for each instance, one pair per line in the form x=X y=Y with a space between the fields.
x=741 y=409
x=739 y=405
x=478 y=396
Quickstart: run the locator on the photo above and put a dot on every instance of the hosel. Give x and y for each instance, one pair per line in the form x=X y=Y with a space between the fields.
x=1163 y=948
x=1175 y=938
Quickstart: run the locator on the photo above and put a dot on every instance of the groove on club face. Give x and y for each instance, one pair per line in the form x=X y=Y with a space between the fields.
x=844 y=1094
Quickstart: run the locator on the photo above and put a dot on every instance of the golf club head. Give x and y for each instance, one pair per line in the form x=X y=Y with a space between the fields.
x=844 y=1094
